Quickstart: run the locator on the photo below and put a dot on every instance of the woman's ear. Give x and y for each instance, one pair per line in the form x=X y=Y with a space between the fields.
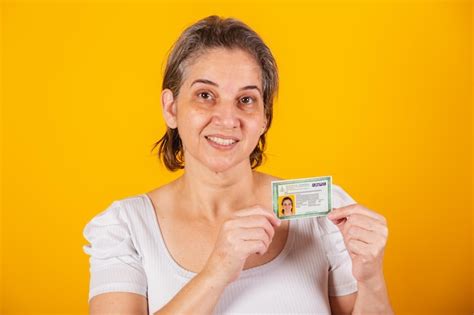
x=264 y=127
x=168 y=104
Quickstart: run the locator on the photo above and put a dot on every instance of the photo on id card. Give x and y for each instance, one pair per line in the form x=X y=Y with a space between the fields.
x=302 y=197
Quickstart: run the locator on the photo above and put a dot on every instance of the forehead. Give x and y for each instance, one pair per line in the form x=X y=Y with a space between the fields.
x=229 y=68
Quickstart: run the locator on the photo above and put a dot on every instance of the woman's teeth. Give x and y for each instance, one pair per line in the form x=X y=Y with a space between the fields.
x=222 y=141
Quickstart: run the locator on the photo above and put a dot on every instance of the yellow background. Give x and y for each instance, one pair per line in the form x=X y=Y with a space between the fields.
x=377 y=94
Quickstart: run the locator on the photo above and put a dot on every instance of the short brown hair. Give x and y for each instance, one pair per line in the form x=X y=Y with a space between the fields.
x=214 y=32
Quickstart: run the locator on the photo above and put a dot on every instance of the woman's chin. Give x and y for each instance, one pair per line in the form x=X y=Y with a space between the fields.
x=216 y=163
x=221 y=166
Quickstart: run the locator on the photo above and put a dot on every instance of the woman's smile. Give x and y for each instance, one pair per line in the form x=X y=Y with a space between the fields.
x=222 y=143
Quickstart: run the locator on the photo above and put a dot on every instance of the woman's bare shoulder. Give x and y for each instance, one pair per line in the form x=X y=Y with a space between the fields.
x=163 y=194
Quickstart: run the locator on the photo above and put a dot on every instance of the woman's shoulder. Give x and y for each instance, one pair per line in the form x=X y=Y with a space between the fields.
x=122 y=210
x=165 y=191
x=108 y=227
x=124 y=221
x=340 y=197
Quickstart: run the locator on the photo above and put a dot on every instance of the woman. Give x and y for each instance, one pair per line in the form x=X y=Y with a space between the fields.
x=287 y=206
x=209 y=241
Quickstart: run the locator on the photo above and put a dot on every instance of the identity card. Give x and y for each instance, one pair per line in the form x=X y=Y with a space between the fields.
x=303 y=197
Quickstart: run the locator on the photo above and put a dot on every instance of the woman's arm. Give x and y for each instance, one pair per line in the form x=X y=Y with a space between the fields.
x=198 y=296
x=342 y=304
x=372 y=298
x=365 y=235
x=118 y=303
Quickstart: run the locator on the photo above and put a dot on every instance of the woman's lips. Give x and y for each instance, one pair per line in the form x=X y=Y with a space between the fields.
x=222 y=143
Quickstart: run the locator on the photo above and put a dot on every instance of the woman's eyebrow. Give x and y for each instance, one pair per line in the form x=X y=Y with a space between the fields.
x=205 y=81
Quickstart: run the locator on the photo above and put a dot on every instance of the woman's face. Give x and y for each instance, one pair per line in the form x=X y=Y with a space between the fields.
x=287 y=205
x=219 y=110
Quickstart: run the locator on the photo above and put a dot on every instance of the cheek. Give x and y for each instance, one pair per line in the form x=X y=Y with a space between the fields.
x=190 y=126
x=192 y=119
x=254 y=126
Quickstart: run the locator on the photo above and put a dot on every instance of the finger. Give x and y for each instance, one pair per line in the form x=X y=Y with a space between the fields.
x=255 y=234
x=254 y=247
x=363 y=235
x=257 y=210
x=346 y=211
x=357 y=247
x=369 y=252
x=255 y=221
x=366 y=223
x=338 y=222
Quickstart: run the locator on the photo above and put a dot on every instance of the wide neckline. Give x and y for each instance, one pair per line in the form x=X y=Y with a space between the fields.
x=244 y=273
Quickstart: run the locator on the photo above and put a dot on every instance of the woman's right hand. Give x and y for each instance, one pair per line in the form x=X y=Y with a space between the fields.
x=248 y=231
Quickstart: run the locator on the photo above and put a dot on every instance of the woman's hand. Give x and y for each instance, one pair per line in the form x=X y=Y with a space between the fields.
x=365 y=235
x=248 y=231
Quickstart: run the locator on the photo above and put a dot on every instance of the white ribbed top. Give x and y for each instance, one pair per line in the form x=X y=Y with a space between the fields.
x=128 y=254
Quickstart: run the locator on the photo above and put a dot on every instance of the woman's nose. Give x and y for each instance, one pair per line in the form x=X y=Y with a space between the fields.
x=226 y=114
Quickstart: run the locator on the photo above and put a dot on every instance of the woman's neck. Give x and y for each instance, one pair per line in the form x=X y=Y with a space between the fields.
x=214 y=196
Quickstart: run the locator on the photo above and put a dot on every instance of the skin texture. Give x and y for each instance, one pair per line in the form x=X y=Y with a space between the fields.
x=216 y=218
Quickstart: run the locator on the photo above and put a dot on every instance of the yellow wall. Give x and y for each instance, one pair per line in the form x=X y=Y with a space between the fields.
x=376 y=94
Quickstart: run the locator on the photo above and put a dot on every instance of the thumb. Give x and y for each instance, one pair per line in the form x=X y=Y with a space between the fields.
x=339 y=222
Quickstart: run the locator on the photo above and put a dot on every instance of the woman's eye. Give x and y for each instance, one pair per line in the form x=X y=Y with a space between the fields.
x=204 y=95
x=247 y=100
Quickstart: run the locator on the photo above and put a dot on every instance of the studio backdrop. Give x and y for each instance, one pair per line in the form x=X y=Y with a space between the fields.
x=377 y=94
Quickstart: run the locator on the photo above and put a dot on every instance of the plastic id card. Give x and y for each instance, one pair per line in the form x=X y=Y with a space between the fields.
x=302 y=198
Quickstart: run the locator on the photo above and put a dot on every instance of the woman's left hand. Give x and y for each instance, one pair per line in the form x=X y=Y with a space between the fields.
x=365 y=235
